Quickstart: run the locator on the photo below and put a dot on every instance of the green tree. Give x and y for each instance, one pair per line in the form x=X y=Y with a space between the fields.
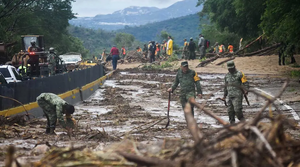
x=44 y=17
x=281 y=21
x=238 y=16
x=123 y=39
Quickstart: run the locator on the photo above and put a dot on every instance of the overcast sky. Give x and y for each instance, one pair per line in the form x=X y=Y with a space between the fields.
x=89 y=8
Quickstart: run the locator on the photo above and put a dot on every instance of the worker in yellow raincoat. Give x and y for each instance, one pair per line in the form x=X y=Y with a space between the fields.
x=170 y=46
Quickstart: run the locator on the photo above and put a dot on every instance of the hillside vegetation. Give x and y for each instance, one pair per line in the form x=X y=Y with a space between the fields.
x=179 y=28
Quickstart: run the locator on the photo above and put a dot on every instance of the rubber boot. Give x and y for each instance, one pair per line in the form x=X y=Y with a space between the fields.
x=47 y=130
x=52 y=131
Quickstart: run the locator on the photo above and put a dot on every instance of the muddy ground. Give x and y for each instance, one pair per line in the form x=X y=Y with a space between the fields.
x=133 y=105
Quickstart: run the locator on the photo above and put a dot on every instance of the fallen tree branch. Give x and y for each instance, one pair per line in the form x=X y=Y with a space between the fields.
x=146 y=161
x=191 y=123
x=224 y=61
x=262 y=50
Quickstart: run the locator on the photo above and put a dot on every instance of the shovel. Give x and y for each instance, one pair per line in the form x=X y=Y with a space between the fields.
x=223 y=101
x=168 y=110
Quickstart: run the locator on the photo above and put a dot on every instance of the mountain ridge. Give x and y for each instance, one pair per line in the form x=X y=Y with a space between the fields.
x=135 y=16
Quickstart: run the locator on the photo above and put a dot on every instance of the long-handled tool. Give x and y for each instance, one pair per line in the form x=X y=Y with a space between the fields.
x=246 y=98
x=223 y=101
x=168 y=110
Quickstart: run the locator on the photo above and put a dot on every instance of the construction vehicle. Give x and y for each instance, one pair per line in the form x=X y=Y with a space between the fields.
x=40 y=58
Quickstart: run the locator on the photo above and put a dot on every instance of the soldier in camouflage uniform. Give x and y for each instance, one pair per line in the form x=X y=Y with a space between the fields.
x=51 y=61
x=235 y=94
x=54 y=107
x=187 y=79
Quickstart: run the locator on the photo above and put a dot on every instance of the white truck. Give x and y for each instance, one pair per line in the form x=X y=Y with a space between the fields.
x=10 y=73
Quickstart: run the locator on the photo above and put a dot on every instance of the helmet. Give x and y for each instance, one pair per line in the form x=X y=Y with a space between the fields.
x=32 y=42
x=51 y=49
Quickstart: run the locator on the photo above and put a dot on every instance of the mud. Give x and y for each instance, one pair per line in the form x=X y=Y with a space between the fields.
x=133 y=105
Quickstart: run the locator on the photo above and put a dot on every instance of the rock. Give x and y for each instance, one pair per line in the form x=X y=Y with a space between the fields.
x=40 y=149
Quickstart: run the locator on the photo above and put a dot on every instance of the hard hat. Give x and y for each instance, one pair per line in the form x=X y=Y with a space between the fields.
x=51 y=49
x=230 y=64
x=32 y=42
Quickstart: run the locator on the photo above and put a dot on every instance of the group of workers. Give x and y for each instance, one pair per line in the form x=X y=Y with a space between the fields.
x=189 y=48
x=28 y=62
x=220 y=48
x=235 y=88
x=156 y=50
x=153 y=51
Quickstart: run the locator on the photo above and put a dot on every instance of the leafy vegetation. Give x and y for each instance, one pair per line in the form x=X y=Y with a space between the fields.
x=278 y=19
x=97 y=40
x=44 y=17
x=295 y=73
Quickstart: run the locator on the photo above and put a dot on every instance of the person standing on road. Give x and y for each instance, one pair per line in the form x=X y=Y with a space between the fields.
x=145 y=50
x=115 y=56
x=157 y=52
x=51 y=61
x=185 y=49
x=230 y=48
x=235 y=93
x=123 y=50
x=192 y=48
x=149 y=52
x=170 y=46
x=164 y=48
x=201 y=45
x=54 y=108
x=152 y=52
x=221 y=48
x=187 y=79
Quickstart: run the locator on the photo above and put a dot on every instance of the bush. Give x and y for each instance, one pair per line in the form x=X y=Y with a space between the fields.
x=174 y=57
x=295 y=73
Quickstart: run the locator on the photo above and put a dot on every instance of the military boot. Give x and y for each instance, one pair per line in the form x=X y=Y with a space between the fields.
x=52 y=131
x=47 y=130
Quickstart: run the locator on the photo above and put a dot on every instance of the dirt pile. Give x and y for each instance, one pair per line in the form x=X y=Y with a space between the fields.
x=134 y=56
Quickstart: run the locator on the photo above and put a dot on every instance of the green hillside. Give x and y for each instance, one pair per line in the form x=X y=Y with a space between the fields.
x=179 y=28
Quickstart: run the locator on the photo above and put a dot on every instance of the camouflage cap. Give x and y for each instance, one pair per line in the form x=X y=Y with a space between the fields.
x=230 y=64
x=184 y=64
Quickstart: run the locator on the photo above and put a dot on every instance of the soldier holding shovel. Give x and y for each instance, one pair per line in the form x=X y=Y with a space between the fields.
x=235 y=93
x=187 y=79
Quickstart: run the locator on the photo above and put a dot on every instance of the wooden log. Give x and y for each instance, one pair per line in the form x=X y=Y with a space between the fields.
x=191 y=123
x=222 y=62
x=205 y=62
x=145 y=161
x=262 y=50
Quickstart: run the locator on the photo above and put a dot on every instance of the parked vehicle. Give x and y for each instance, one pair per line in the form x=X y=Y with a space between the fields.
x=10 y=73
x=2 y=79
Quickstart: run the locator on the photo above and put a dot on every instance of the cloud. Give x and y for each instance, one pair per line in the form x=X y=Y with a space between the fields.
x=89 y=8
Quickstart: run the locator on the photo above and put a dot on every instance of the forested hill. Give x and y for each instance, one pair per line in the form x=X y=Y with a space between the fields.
x=179 y=28
x=31 y=17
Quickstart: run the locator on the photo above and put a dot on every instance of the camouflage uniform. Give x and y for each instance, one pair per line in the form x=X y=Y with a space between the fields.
x=187 y=83
x=235 y=94
x=51 y=63
x=52 y=106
